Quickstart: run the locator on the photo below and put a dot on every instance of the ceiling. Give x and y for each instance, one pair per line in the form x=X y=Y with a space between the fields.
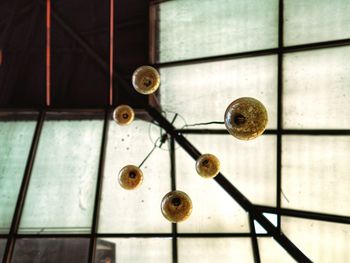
x=76 y=79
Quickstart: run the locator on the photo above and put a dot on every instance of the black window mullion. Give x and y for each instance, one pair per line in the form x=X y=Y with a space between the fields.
x=95 y=218
x=173 y=188
x=23 y=189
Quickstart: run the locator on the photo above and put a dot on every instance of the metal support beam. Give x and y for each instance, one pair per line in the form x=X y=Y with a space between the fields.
x=191 y=150
x=23 y=190
x=255 y=245
x=95 y=217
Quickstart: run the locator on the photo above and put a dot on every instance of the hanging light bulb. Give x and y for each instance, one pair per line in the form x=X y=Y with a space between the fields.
x=123 y=115
x=176 y=206
x=246 y=118
x=130 y=177
x=146 y=80
x=208 y=165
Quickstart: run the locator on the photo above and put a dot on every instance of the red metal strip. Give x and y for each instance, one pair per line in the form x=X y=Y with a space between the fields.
x=111 y=41
x=48 y=52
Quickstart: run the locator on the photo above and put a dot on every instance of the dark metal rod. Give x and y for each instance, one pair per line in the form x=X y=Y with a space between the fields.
x=255 y=245
x=95 y=217
x=192 y=151
x=173 y=188
x=279 y=110
x=320 y=132
x=23 y=189
x=139 y=235
x=305 y=214
x=265 y=52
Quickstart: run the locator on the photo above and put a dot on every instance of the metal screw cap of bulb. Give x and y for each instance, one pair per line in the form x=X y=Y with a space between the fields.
x=130 y=177
x=208 y=165
x=123 y=115
x=246 y=118
x=176 y=206
x=146 y=80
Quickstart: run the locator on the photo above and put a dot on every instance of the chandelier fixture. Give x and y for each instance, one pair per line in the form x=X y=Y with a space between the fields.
x=245 y=119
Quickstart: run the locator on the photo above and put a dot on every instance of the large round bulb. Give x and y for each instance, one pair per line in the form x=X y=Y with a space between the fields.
x=208 y=165
x=130 y=177
x=246 y=118
x=146 y=80
x=176 y=206
x=123 y=115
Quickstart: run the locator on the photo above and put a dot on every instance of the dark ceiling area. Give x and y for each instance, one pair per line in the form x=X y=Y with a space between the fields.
x=77 y=79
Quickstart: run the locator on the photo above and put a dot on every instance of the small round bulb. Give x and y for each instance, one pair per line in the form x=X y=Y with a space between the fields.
x=246 y=118
x=208 y=165
x=123 y=115
x=130 y=177
x=146 y=80
x=176 y=206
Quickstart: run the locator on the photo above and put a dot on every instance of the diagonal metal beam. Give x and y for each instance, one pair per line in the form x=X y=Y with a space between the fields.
x=187 y=146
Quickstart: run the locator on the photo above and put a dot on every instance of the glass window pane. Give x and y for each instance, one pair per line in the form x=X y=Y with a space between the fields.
x=191 y=29
x=316 y=89
x=62 y=188
x=321 y=241
x=134 y=250
x=15 y=141
x=124 y=211
x=271 y=252
x=315 y=172
x=214 y=210
x=252 y=171
x=51 y=250
x=202 y=92
x=209 y=250
x=315 y=21
x=2 y=248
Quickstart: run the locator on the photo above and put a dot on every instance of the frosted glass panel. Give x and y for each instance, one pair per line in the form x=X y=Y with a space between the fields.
x=218 y=250
x=136 y=211
x=192 y=28
x=322 y=242
x=315 y=21
x=202 y=92
x=213 y=209
x=51 y=250
x=271 y=252
x=15 y=141
x=315 y=173
x=62 y=188
x=134 y=250
x=259 y=229
x=2 y=248
x=250 y=166
x=316 y=89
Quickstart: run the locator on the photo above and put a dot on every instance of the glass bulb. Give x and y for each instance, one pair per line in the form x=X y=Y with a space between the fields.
x=146 y=80
x=123 y=115
x=208 y=165
x=130 y=177
x=176 y=206
x=246 y=118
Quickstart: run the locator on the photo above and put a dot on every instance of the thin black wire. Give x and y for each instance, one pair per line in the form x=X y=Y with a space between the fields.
x=203 y=123
x=163 y=138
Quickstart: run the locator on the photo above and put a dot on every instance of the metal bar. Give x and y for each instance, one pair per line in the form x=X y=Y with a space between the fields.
x=48 y=53
x=192 y=151
x=254 y=239
x=111 y=49
x=274 y=132
x=305 y=214
x=279 y=110
x=265 y=52
x=141 y=235
x=95 y=217
x=173 y=188
x=23 y=190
